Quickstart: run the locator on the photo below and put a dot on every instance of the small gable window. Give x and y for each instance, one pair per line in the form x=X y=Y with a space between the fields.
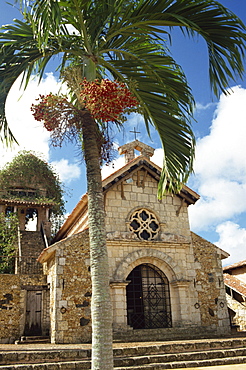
x=144 y=224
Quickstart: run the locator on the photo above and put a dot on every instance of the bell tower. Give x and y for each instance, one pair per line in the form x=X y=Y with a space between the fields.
x=129 y=150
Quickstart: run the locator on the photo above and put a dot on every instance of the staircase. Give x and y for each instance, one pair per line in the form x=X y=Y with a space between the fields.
x=135 y=356
x=240 y=312
x=32 y=245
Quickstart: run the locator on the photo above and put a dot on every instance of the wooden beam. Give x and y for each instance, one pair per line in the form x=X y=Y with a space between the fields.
x=138 y=178
x=144 y=178
x=122 y=190
x=181 y=205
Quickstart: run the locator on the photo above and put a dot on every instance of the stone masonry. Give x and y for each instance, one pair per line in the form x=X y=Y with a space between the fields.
x=210 y=284
x=70 y=288
x=12 y=304
x=191 y=265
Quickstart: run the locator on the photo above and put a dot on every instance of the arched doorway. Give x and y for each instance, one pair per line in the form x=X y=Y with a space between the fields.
x=148 y=298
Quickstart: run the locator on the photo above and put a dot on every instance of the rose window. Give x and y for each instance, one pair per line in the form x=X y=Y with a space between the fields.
x=144 y=224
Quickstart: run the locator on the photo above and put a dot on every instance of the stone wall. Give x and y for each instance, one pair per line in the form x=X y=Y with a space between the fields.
x=174 y=259
x=12 y=304
x=197 y=295
x=171 y=251
x=70 y=284
x=120 y=204
x=240 y=312
x=193 y=269
x=10 y=312
x=210 y=285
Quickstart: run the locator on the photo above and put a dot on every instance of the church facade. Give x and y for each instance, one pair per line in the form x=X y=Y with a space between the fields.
x=166 y=282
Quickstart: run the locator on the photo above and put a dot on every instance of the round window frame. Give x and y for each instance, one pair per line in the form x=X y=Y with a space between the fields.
x=144 y=225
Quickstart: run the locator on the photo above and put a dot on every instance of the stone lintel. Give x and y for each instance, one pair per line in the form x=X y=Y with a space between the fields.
x=119 y=284
x=180 y=283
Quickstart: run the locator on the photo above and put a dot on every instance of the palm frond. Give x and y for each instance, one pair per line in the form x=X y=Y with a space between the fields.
x=222 y=30
x=20 y=55
x=167 y=103
x=127 y=39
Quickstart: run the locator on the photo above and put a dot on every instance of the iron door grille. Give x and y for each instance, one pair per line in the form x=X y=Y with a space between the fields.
x=148 y=298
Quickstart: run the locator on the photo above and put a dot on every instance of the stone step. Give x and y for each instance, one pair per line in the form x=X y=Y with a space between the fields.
x=33 y=340
x=183 y=364
x=136 y=356
x=37 y=356
x=85 y=365
x=187 y=357
x=140 y=349
x=31 y=243
x=163 y=334
x=73 y=365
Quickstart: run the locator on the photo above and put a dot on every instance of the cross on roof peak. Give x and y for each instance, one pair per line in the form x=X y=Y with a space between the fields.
x=135 y=133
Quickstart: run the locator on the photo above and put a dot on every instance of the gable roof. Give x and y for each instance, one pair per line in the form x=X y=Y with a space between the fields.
x=235 y=266
x=234 y=283
x=142 y=162
x=117 y=177
x=195 y=237
x=26 y=203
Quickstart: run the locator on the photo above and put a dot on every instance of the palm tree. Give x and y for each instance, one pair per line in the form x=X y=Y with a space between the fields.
x=122 y=40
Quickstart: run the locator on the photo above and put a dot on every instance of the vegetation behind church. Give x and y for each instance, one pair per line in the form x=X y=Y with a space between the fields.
x=28 y=172
x=8 y=240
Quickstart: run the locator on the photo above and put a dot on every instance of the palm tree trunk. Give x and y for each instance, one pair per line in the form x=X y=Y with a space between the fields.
x=101 y=310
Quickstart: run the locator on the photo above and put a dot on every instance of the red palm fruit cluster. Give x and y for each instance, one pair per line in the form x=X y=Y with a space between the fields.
x=107 y=100
x=50 y=110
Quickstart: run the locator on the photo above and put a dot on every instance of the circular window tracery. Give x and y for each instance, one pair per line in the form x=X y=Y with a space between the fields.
x=144 y=224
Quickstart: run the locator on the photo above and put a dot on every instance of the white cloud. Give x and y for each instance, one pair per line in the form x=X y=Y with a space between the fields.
x=220 y=165
x=201 y=107
x=112 y=167
x=158 y=157
x=67 y=171
x=29 y=133
x=221 y=200
x=232 y=239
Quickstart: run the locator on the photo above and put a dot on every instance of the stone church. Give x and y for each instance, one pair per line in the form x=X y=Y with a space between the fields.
x=166 y=282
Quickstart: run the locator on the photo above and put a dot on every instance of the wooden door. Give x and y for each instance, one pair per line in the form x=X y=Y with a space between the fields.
x=33 y=313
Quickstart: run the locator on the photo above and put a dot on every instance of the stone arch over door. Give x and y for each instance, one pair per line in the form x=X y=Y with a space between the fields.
x=174 y=273
x=153 y=256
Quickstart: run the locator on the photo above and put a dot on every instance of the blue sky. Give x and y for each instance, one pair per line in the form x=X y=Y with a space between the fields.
x=220 y=129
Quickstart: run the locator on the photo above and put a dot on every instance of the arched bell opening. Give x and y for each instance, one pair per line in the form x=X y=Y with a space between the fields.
x=31 y=223
x=148 y=298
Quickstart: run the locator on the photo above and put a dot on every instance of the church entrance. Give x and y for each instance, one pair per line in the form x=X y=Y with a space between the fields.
x=148 y=298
